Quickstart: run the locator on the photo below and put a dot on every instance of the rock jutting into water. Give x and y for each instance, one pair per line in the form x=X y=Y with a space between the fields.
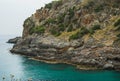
x=14 y=40
x=82 y=33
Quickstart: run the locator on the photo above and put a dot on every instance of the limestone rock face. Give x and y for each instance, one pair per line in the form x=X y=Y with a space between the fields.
x=80 y=32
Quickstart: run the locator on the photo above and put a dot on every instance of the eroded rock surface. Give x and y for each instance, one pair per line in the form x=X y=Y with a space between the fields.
x=82 y=33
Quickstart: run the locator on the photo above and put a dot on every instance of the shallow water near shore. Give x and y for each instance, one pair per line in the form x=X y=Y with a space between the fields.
x=25 y=68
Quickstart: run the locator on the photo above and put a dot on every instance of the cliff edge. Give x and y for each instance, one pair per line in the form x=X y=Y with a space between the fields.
x=85 y=33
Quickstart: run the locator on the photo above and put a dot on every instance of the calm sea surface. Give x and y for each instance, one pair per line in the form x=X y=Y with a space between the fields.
x=24 y=68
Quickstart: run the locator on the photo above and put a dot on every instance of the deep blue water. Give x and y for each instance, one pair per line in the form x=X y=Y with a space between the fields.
x=24 y=68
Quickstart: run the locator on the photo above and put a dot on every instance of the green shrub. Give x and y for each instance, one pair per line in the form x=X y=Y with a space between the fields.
x=38 y=29
x=70 y=28
x=91 y=31
x=61 y=27
x=56 y=3
x=54 y=32
x=118 y=35
x=95 y=27
x=71 y=12
x=60 y=18
x=59 y=2
x=116 y=5
x=53 y=4
x=79 y=34
x=50 y=20
x=49 y=5
x=117 y=23
x=74 y=36
x=84 y=31
x=99 y=8
x=117 y=28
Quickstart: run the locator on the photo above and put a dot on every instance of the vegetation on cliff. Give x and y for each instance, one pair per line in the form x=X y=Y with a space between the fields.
x=87 y=16
x=80 y=32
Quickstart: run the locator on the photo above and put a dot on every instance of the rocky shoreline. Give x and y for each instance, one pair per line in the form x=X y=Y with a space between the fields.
x=84 y=33
x=92 y=58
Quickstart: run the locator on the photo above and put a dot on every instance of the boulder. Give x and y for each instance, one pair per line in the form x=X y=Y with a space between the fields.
x=108 y=66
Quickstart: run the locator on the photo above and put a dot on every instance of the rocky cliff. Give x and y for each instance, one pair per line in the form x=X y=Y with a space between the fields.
x=84 y=33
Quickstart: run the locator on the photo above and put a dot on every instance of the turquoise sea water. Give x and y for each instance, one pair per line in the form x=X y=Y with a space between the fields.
x=24 y=68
